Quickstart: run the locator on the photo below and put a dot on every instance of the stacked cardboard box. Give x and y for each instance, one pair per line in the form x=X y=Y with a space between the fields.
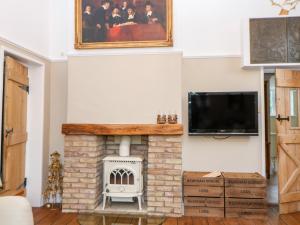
x=203 y=196
x=245 y=195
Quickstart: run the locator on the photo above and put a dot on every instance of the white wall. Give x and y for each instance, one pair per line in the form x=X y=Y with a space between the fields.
x=59 y=28
x=215 y=27
x=201 y=27
x=36 y=153
x=26 y=23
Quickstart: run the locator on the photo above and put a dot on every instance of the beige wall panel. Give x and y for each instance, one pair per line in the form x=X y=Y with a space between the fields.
x=206 y=153
x=132 y=89
x=123 y=88
x=58 y=104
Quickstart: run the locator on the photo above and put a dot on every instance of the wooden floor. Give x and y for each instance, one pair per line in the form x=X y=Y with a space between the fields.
x=44 y=216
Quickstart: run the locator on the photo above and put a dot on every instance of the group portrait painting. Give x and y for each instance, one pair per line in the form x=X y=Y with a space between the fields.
x=123 y=23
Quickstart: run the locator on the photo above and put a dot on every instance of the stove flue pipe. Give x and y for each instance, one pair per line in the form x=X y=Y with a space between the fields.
x=124 y=150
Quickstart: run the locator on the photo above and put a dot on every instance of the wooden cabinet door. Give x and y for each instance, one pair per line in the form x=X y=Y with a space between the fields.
x=288 y=139
x=14 y=124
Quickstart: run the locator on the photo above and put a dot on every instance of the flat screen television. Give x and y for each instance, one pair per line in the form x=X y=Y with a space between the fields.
x=223 y=113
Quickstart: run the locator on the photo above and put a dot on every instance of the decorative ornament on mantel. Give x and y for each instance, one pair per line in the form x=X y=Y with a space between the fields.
x=285 y=5
x=161 y=118
x=172 y=118
x=54 y=182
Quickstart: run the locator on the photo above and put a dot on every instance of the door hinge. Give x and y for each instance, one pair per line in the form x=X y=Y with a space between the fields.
x=25 y=88
x=8 y=131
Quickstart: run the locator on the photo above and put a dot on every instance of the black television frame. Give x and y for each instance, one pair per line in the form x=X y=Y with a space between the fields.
x=201 y=132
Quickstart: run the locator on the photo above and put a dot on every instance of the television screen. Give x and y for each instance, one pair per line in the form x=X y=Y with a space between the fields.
x=234 y=113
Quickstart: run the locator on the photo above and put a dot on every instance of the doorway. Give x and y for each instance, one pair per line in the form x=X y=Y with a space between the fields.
x=36 y=154
x=282 y=106
x=270 y=138
x=14 y=126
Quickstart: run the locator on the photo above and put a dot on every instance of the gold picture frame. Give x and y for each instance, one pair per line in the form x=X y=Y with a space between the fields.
x=167 y=41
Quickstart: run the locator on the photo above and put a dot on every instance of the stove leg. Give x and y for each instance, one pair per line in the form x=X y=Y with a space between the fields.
x=140 y=202
x=143 y=199
x=109 y=199
x=104 y=201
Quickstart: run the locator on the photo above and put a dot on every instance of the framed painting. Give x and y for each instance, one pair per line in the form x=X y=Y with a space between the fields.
x=123 y=24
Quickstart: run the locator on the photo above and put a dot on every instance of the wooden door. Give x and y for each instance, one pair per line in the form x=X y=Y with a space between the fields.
x=14 y=124
x=288 y=139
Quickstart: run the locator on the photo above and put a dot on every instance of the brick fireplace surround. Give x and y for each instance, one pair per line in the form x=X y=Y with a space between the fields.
x=87 y=145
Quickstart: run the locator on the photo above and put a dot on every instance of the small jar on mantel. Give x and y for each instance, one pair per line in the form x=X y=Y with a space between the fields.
x=172 y=118
x=161 y=118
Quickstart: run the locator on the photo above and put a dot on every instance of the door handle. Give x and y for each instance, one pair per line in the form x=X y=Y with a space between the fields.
x=279 y=118
x=8 y=132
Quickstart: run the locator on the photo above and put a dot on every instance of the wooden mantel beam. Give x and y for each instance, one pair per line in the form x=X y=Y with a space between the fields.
x=122 y=129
